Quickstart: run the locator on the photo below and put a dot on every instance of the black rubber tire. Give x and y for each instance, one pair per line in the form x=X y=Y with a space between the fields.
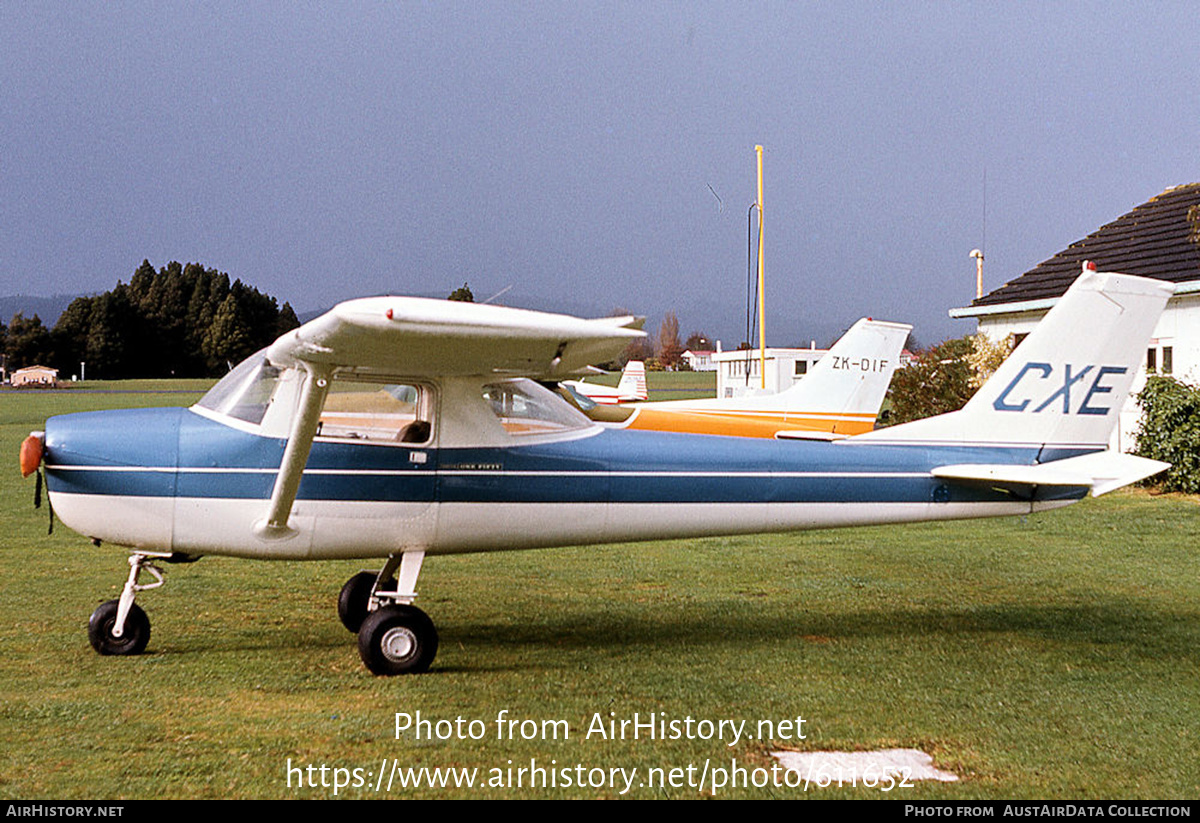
x=132 y=641
x=397 y=640
x=354 y=598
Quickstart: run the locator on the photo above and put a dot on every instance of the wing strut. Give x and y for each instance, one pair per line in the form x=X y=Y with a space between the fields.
x=304 y=427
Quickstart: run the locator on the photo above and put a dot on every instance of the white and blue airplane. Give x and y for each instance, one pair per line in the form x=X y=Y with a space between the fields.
x=397 y=428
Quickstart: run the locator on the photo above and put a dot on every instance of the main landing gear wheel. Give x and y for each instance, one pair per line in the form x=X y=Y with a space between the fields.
x=397 y=640
x=354 y=600
x=133 y=639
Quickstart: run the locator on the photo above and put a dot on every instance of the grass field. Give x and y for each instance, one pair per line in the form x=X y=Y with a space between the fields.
x=670 y=385
x=1055 y=656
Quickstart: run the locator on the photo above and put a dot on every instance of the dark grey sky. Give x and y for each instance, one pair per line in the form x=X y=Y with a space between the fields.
x=333 y=150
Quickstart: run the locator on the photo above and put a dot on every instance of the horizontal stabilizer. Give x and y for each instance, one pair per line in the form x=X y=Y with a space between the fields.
x=1112 y=470
x=1035 y=475
x=801 y=434
x=1100 y=471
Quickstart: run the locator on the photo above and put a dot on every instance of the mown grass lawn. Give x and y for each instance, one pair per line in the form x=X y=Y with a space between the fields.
x=669 y=385
x=1055 y=656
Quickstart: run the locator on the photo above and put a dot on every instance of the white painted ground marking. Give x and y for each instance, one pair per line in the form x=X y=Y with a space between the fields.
x=843 y=768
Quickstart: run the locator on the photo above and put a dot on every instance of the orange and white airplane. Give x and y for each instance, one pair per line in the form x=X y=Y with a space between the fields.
x=839 y=397
x=631 y=388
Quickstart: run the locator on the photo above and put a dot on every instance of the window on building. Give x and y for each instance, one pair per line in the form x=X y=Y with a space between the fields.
x=1017 y=338
x=1168 y=358
x=801 y=367
x=1151 y=360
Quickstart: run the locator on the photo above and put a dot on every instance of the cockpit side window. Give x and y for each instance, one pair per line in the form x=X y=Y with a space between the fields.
x=524 y=408
x=246 y=391
x=377 y=413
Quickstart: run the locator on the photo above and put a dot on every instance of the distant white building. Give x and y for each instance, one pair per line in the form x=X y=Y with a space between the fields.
x=738 y=372
x=35 y=376
x=1159 y=239
x=700 y=360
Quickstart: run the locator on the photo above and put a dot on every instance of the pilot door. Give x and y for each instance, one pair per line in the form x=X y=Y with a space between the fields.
x=372 y=471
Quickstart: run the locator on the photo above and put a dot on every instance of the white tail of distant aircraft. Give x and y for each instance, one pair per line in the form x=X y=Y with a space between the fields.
x=633 y=381
x=632 y=386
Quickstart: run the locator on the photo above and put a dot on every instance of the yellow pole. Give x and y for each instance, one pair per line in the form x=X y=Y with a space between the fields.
x=762 y=296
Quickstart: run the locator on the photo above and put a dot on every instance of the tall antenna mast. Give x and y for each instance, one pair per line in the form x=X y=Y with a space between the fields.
x=762 y=296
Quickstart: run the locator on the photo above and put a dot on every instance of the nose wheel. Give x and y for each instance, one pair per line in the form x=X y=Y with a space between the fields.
x=120 y=627
x=394 y=636
x=134 y=636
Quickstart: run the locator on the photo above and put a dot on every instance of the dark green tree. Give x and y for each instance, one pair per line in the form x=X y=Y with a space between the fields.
x=70 y=335
x=463 y=294
x=27 y=342
x=936 y=382
x=115 y=331
x=164 y=308
x=287 y=320
x=177 y=321
x=229 y=339
x=1171 y=431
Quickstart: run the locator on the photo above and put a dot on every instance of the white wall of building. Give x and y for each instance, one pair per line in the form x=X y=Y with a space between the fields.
x=700 y=360
x=785 y=367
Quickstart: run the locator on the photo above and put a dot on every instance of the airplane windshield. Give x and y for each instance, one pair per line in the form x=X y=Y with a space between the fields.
x=246 y=391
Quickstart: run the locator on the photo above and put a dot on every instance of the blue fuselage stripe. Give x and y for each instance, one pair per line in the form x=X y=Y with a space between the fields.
x=179 y=453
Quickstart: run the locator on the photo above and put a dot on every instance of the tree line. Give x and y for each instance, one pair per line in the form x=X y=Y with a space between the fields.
x=662 y=351
x=177 y=321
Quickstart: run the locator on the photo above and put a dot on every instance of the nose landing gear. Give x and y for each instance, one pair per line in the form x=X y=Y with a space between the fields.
x=120 y=626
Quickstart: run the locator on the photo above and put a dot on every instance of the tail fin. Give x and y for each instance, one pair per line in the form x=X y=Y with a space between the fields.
x=840 y=395
x=1065 y=384
x=852 y=377
x=633 y=381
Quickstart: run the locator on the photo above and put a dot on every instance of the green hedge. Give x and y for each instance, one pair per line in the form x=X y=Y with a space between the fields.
x=1171 y=431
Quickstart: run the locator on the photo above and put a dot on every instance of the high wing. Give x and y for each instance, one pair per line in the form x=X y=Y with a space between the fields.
x=421 y=336
x=424 y=337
